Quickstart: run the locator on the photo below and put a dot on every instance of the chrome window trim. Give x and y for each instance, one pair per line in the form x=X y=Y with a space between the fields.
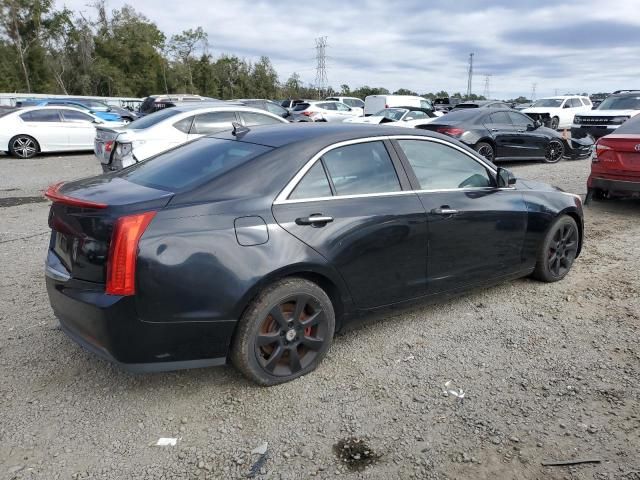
x=282 y=197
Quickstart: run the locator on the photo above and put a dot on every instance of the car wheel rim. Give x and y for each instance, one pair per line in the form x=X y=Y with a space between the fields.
x=24 y=147
x=486 y=151
x=291 y=336
x=554 y=152
x=563 y=249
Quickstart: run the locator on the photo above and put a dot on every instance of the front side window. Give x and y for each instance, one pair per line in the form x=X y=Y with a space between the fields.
x=313 y=185
x=342 y=107
x=212 y=122
x=76 y=117
x=41 y=116
x=361 y=169
x=440 y=167
x=255 y=119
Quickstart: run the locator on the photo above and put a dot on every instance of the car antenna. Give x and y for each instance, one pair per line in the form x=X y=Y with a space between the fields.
x=238 y=129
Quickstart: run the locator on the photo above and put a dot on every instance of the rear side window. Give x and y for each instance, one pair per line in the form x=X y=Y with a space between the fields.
x=586 y=101
x=313 y=185
x=184 y=125
x=498 y=118
x=213 y=122
x=519 y=120
x=75 y=117
x=361 y=168
x=192 y=164
x=41 y=116
x=328 y=106
x=254 y=119
x=440 y=167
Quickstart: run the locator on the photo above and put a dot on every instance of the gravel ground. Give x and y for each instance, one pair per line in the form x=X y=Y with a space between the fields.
x=549 y=372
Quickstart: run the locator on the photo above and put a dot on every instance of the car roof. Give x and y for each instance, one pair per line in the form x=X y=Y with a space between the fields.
x=190 y=107
x=51 y=107
x=277 y=136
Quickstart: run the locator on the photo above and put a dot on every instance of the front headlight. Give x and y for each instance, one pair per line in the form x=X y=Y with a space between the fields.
x=619 y=120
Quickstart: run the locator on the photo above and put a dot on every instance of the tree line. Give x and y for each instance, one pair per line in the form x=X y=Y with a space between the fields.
x=122 y=53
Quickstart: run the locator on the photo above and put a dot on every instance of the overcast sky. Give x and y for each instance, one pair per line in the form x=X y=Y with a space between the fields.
x=423 y=45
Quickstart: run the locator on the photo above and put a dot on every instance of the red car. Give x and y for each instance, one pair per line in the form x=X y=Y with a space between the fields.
x=615 y=171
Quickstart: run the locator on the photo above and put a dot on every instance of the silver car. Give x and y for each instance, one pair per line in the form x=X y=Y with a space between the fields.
x=324 y=111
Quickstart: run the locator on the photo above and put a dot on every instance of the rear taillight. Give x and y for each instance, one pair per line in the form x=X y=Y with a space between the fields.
x=601 y=148
x=307 y=114
x=53 y=194
x=108 y=146
x=123 y=253
x=452 y=132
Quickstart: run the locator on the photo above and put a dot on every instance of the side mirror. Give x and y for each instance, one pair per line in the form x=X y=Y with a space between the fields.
x=505 y=178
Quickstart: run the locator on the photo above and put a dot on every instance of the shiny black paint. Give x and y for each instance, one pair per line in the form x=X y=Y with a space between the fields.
x=510 y=142
x=195 y=278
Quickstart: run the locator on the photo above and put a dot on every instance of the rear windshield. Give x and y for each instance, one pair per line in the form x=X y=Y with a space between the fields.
x=151 y=119
x=192 y=164
x=300 y=106
x=467 y=105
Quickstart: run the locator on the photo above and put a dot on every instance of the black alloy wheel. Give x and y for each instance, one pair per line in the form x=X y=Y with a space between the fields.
x=23 y=146
x=554 y=151
x=486 y=150
x=285 y=333
x=558 y=251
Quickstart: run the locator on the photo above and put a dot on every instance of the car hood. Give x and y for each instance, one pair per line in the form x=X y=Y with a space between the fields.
x=370 y=120
x=541 y=110
x=610 y=113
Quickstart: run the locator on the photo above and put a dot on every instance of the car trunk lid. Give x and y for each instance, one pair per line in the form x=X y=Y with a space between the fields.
x=104 y=143
x=83 y=215
x=619 y=152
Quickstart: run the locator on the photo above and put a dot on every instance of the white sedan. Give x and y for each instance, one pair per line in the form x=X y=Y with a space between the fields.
x=118 y=148
x=28 y=131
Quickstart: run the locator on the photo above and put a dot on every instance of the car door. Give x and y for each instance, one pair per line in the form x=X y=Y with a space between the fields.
x=80 y=128
x=368 y=224
x=344 y=111
x=501 y=130
x=211 y=122
x=476 y=230
x=47 y=127
x=528 y=141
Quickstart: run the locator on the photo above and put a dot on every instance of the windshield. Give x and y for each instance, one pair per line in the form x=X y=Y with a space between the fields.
x=152 y=119
x=394 y=114
x=548 y=102
x=192 y=164
x=628 y=102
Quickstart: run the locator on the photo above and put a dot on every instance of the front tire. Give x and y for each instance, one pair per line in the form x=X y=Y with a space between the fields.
x=558 y=250
x=284 y=333
x=23 y=146
x=554 y=151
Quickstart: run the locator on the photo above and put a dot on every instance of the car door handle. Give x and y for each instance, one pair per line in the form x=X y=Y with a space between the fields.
x=444 y=210
x=495 y=130
x=521 y=130
x=315 y=220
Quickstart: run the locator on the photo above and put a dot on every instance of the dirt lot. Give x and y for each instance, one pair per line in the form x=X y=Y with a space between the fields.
x=549 y=372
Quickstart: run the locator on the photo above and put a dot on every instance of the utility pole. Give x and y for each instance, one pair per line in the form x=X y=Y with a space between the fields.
x=556 y=94
x=321 y=65
x=533 y=92
x=487 y=86
x=470 y=78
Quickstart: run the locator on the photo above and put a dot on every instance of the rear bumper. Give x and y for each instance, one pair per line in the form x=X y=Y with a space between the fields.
x=613 y=185
x=108 y=326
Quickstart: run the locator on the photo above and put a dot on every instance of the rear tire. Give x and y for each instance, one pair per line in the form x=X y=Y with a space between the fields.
x=558 y=250
x=23 y=146
x=285 y=332
x=486 y=150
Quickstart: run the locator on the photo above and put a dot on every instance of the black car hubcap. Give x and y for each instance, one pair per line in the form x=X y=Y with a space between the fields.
x=291 y=336
x=563 y=249
x=24 y=147
x=554 y=151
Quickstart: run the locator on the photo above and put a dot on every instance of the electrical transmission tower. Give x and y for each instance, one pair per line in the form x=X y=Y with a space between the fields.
x=533 y=92
x=321 y=66
x=487 y=86
x=470 y=79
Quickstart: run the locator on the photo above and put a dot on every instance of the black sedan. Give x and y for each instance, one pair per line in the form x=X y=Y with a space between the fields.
x=506 y=134
x=256 y=246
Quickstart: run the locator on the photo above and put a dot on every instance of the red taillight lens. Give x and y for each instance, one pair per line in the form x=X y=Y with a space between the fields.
x=307 y=114
x=108 y=145
x=123 y=253
x=452 y=132
x=53 y=194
